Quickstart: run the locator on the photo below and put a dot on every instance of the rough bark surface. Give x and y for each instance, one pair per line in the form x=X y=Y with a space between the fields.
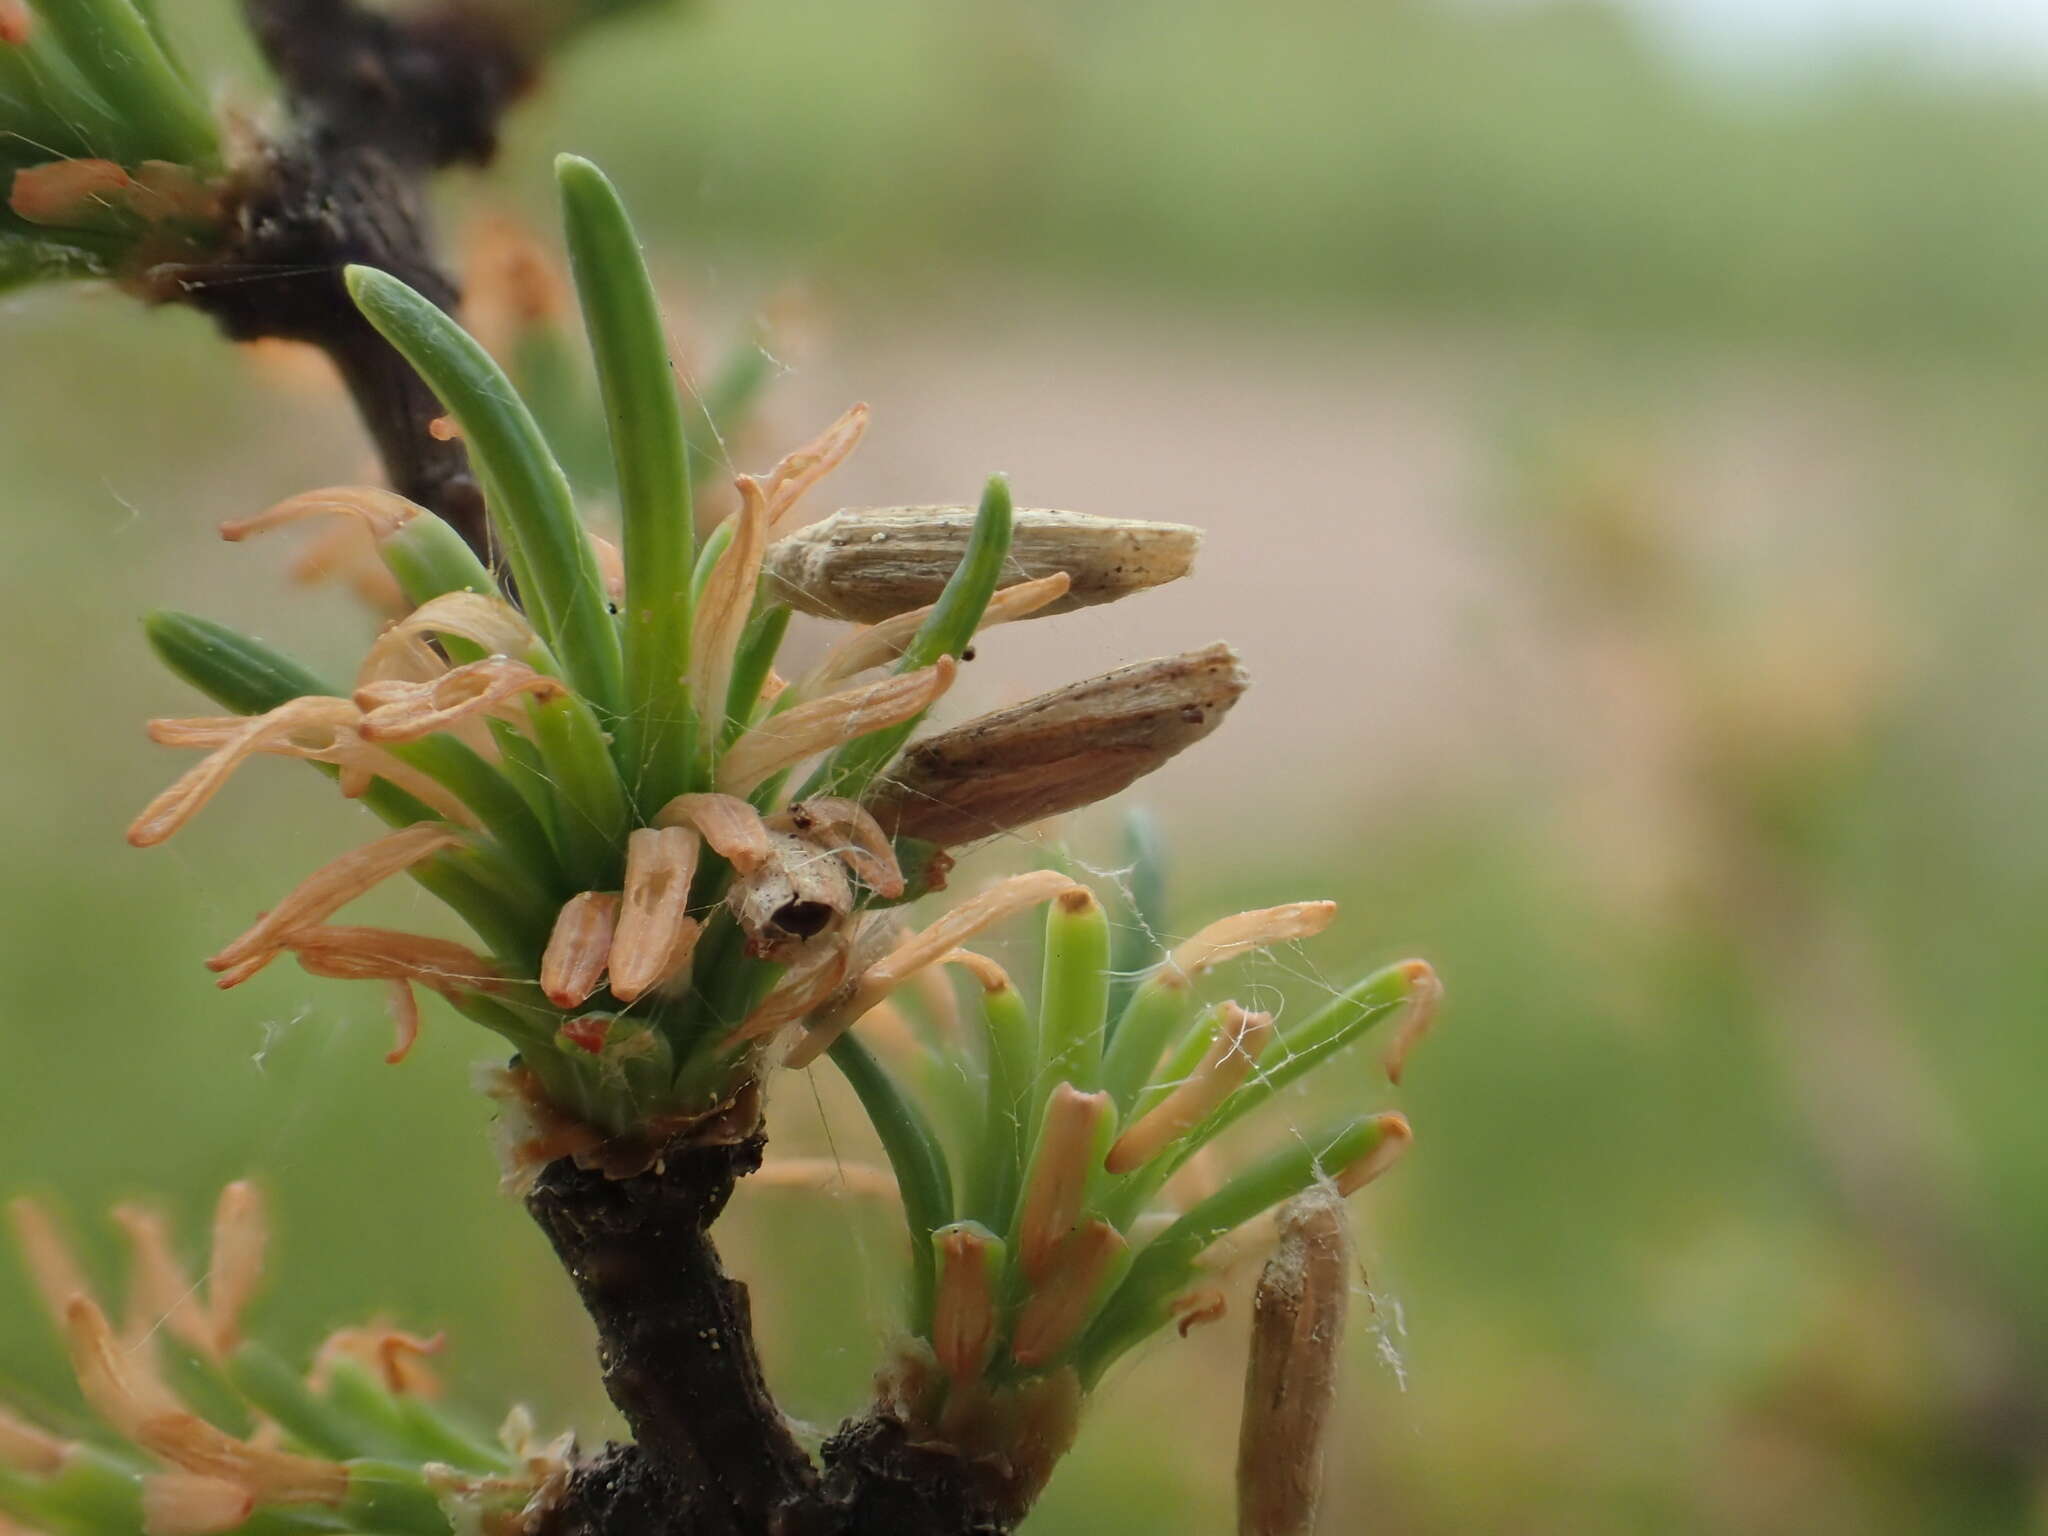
x=712 y=1454
x=302 y=214
x=376 y=104
x=880 y=1479
x=675 y=1335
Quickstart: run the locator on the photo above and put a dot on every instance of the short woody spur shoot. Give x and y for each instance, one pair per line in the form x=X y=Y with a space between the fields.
x=597 y=779
x=1076 y=1220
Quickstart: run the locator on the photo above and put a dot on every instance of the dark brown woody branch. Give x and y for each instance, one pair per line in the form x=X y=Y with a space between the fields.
x=713 y=1455
x=675 y=1343
x=301 y=216
x=376 y=103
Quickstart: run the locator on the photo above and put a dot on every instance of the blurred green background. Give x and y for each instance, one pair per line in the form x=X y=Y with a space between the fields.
x=1626 y=487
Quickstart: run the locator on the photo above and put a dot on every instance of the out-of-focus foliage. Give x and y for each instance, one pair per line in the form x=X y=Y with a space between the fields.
x=1543 y=161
